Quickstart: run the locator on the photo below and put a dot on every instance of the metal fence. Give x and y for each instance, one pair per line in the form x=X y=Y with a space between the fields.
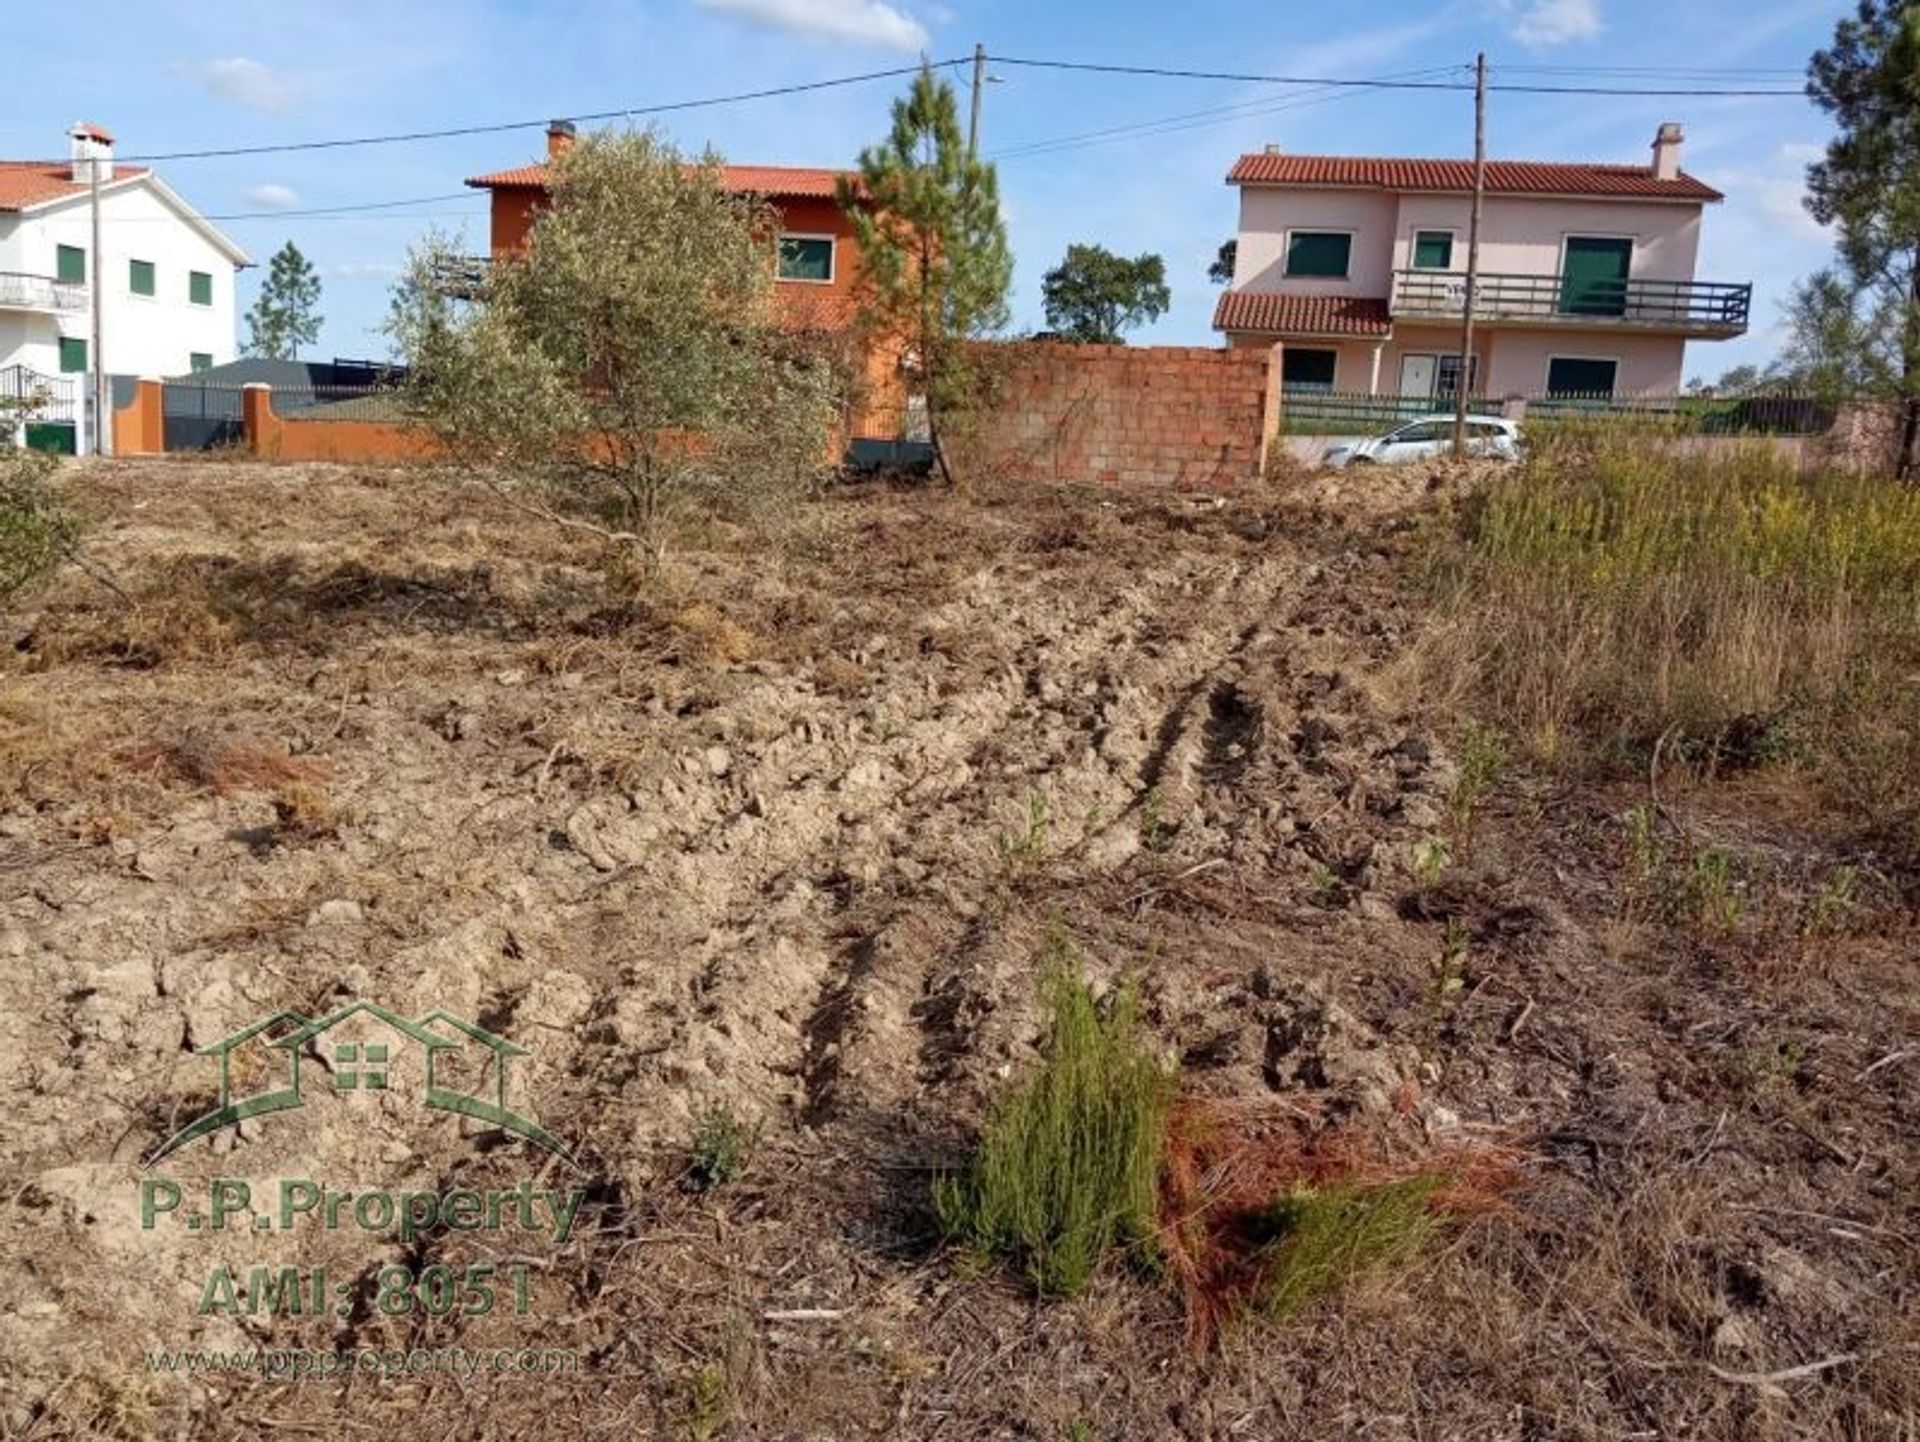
x=1337 y=413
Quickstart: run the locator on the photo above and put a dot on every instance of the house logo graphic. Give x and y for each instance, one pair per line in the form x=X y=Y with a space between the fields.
x=361 y=1065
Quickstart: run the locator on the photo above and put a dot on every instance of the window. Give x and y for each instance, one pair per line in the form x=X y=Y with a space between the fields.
x=806 y=257
x=1447 y=382
x=140 y=277
x=1571 y=376
x=1307 y=370
x=199 y=288
x=199 y=360
x=1322 y=253
x=1433 y=250
x=70 y=264
x=1421 y=432
x=73 y=355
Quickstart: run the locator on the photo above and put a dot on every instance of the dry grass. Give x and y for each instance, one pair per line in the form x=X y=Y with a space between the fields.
x=1619 y=599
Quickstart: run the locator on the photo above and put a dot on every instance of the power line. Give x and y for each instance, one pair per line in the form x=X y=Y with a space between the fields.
x=510 y=125
x=344 y=209
x=1165 y=72
x=1192 y=120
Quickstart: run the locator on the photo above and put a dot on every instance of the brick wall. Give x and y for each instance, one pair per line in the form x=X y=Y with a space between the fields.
x=1186 y=416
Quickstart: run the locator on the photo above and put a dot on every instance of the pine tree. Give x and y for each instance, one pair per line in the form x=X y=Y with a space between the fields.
x=935 y=263
x=1868 y=184
x=286 y=314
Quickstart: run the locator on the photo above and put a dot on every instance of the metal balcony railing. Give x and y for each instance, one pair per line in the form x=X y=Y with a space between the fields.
x=1701 y=307
x=20 y=290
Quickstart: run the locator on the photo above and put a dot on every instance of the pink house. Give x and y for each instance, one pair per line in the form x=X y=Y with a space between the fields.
x=1357 y=265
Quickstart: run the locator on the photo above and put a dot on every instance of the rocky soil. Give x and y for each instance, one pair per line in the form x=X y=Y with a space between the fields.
x=778 y=835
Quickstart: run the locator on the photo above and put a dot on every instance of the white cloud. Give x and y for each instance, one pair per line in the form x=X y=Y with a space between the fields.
x=364 y=270
x=247 y=83
x=272 y=196
x=870 y=22
x=1543 y=24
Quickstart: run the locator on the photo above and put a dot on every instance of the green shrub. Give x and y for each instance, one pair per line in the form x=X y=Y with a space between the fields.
x=37 y=532
x=1067 y=1168
x=723 y=1145
x=1323 y=1240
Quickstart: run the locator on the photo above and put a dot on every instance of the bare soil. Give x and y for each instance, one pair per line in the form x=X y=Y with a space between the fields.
x=780 y=834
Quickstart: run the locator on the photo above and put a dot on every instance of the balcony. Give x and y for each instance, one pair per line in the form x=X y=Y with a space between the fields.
x=1684 y=307
x=22 y=291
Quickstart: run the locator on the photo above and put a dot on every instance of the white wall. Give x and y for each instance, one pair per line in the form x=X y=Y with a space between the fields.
x=144 y=336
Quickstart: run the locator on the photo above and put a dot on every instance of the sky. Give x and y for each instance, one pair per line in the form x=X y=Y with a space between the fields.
x=173 y=75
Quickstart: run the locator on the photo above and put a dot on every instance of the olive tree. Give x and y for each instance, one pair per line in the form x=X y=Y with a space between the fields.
x=631 y=356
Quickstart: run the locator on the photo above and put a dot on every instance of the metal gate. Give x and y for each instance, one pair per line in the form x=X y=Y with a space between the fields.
x=45 y=408
x=198 y=417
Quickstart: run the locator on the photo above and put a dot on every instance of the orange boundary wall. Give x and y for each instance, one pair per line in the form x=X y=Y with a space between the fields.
x=273 y=438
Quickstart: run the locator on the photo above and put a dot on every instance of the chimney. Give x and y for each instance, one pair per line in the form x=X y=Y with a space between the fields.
x=559 y=138
x=1666 y=151
x=88 y=144
x=1271 y=148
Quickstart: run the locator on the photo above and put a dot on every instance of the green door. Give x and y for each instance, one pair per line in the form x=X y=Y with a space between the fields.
x=1594 y=281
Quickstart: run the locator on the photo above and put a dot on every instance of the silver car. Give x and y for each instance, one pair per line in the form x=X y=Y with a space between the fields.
x=1426 y=437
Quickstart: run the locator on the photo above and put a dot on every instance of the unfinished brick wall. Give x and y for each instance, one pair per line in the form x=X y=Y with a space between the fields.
x=1185 y=416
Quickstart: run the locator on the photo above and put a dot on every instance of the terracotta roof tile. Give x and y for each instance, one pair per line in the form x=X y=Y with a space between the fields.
x=1275 y=314
x=777 y=181
x=34 y=182
x=1504 y=177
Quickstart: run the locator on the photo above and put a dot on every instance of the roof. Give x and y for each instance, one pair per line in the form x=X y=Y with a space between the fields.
x=778 y=181
x=25 y=183
x=1264 y=310
x=1504 y=177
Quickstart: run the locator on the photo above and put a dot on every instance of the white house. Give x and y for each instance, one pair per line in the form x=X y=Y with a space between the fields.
x=165 y=275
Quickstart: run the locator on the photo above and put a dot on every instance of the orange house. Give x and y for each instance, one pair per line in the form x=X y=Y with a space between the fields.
x=818 y=254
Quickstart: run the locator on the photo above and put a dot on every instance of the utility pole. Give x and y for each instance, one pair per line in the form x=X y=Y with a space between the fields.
x=1464 y=380
x=96 y=292
x=979 y=83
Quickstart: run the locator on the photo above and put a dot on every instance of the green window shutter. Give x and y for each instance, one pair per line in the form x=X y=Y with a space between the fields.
x=73 y=355
x=199 y=360
x=1318 y=253
x=1570 y=377
x=199 y=288
x=1433 y=250
x=806 y=258
x=140 y=277
x=70 y=264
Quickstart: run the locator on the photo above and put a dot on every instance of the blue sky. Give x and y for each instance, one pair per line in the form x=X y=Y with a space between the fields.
x=172 y=75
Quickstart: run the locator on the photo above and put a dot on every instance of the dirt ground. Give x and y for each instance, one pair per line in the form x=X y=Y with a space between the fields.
x=779 y=836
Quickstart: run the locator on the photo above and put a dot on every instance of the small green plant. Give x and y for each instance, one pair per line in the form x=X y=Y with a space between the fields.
x=1712 y=893
x=1645 y=855
x=1481 y=759
x=1021 y=851
x=1835 y=903
x=706 y=1402
x=1067 y=1167
x=723 y=1146
x=37 y=531
x=1773 y=1068
x=1430 y=860
x=1449 y=974
x=1154 y=834
x=1324 y=1240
